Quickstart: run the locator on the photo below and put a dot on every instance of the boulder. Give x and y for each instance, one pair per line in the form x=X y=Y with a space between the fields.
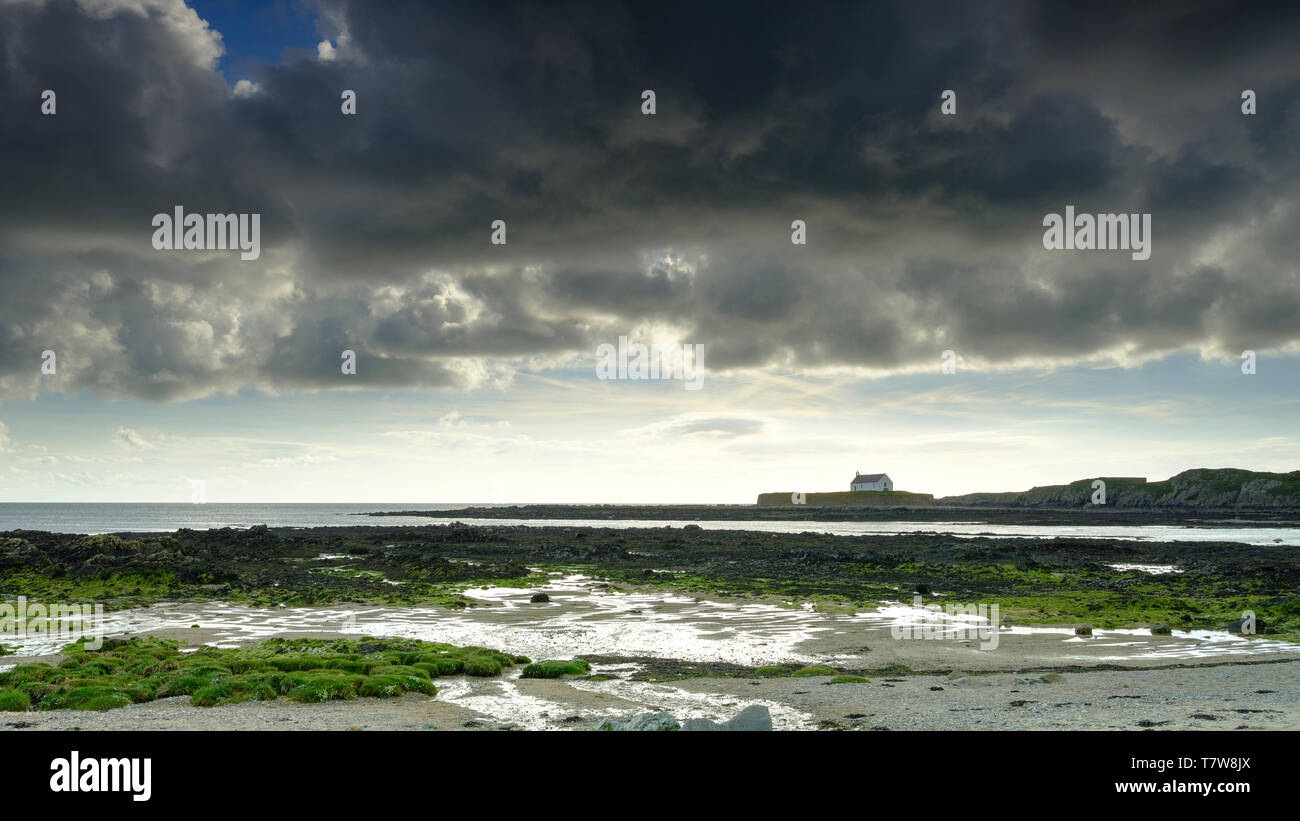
x=754 y=718
x=1236 y=626
x=653 y=722
x=702 y=725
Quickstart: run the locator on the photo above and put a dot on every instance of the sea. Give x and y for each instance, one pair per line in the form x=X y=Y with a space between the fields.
x=106 y=517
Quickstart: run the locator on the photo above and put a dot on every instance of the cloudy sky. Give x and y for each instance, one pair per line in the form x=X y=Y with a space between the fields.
x=476 y=376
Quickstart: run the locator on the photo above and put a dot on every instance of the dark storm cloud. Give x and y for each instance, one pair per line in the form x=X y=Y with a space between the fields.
x=924 y=231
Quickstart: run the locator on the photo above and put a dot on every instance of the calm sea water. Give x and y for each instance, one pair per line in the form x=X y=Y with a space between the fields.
x=91 y=517
x=110 y=517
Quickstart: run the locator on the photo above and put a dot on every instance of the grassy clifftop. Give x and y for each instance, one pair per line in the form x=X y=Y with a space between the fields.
x=1199 y=488
x=875 y=498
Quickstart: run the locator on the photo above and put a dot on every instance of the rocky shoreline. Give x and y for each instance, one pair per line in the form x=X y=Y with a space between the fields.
x=787 y=621
x=978 y=513
x=1035 y=581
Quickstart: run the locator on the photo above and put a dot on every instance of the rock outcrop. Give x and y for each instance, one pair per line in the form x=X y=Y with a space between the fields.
x=1196 y=489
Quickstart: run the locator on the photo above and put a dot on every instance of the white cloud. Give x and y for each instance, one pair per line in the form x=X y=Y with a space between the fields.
x=190 y=31
x=131 y=439
x=702 y=426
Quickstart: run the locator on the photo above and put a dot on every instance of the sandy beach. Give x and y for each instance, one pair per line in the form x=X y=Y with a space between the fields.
x=1254 y=696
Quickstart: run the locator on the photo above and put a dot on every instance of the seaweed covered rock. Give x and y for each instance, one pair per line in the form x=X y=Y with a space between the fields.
x=304 y=670
x=21 y=553
x=14 y=701
x=556 y=669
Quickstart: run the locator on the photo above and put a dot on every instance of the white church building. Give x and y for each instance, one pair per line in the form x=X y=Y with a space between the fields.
x=871 y=481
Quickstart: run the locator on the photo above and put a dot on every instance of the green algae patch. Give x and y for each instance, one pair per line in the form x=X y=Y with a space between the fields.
x=387 y=685
x=308 y=671
x=556 y=669
x=850 y=680
x=815 y=670
x=487 y=664
x=318 y=686
x=14 y=701
x=232 y=690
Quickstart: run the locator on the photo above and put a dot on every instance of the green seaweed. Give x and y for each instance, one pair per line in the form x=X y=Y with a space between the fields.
x=309 y=671
x=13 y=701
x=556 y=669
x=815 y=670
